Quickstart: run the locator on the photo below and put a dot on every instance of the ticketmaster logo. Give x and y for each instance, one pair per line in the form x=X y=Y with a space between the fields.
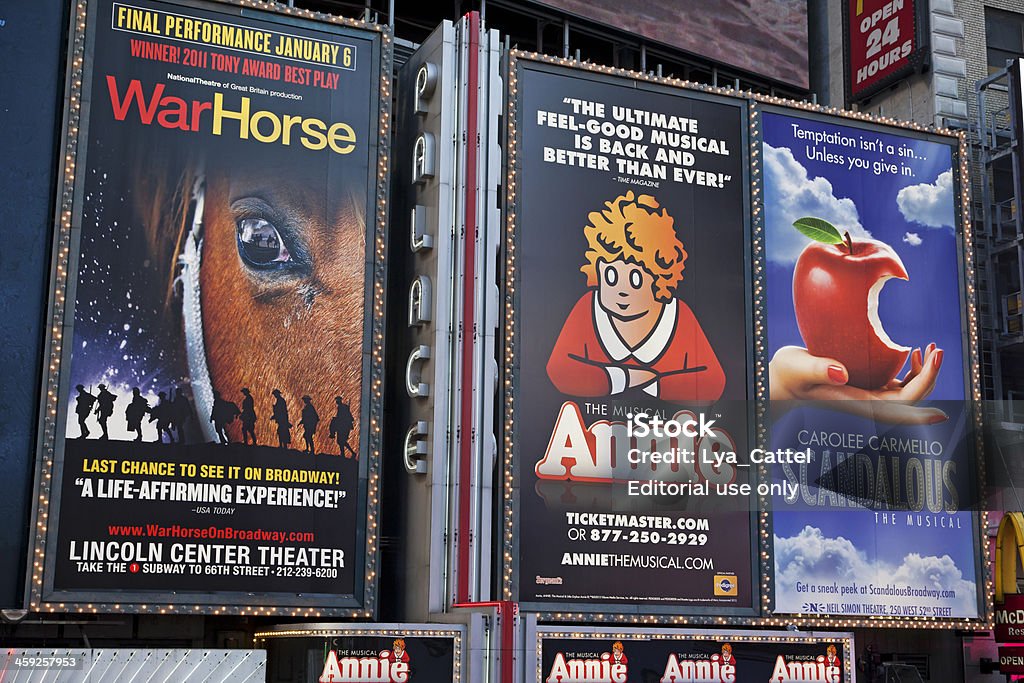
x=725 y=585
x=549 y=580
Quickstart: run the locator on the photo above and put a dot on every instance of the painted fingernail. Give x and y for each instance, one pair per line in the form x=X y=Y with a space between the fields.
x=837 y=374
x=937 y=418
x=917 y=356
x=937 y=358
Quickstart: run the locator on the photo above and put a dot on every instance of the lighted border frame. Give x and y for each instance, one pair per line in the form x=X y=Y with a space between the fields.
x=782 y=637
x=327 y=630
x=48 y=427
x=761 y=367
x=966 y=287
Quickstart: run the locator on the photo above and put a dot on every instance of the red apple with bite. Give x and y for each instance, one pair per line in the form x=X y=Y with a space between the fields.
x=835 y=294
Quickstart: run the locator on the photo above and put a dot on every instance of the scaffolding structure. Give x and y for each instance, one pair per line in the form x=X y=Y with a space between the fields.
x=999 y=243
x=997 y=146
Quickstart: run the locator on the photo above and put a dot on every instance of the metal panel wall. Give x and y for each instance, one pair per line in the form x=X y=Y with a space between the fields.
x=31 y=665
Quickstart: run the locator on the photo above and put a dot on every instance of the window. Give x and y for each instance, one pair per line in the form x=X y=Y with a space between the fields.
x=1004 y=35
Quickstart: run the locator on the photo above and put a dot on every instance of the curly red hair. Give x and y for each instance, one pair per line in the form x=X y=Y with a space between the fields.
x=637 y=230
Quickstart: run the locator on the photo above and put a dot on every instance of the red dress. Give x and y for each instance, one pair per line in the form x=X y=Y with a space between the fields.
x=590 y=359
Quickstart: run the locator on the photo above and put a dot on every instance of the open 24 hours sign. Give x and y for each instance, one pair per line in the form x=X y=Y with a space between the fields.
x=884 y=41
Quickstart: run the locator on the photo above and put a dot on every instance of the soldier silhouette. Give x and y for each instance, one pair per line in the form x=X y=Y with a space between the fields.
x=309 y=422
x=136 y=410
x=223 y=414
x=341 y=426
x=162 y=414
x=181 y=411
x=83 y=406
x=104 y=408
x=280 y=416
x=248 y=417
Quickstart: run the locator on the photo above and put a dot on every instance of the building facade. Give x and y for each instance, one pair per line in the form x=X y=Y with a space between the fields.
x=469 y=535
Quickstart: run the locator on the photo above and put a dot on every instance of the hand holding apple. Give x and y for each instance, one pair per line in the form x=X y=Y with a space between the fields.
x=796 y=375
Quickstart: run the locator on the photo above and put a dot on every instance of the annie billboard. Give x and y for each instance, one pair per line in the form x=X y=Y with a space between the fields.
x=594 y=655
x=377 y=653
x=626 y=296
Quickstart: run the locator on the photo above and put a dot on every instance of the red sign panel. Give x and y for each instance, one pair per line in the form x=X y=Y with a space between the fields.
x=1011 y=659
x=1009 y=619
x=881 y=43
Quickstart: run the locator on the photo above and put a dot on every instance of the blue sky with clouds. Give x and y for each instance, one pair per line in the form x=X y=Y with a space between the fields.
x=912 y=214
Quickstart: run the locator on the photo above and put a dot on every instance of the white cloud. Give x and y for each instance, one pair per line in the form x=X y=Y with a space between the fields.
x=790 y=194
x=912 y=238
x=812 y=558
x=929 y=204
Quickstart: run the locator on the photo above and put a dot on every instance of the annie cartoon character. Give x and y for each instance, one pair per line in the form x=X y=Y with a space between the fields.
x=629 y=332
x=619 y=653
x=398 y=652
x=831 y=656
x=727 y=657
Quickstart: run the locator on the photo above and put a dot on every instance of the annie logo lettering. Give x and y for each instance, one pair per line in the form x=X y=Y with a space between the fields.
x=717 y=669
x=601 y=452
x=610 y=667
x=821 y=668
x=390 y=666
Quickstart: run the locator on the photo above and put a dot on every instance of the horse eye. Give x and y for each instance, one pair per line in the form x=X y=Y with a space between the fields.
x=260 y=244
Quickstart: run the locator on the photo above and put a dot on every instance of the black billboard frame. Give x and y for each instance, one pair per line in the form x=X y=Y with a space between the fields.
x=457 y=633
x=756 y=366
x=536 y=634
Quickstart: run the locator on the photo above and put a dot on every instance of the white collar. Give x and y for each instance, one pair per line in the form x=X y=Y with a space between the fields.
x=650 y=349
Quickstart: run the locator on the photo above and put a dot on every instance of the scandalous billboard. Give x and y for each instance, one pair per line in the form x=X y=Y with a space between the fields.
x=348 y=653
x=684 y=656
x=883 y=41
x=870 y=371
x=768 y=38
x=626 y=296
x=215 y=369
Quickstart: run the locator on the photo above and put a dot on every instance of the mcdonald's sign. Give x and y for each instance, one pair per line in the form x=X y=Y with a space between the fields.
x=1009 y=604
